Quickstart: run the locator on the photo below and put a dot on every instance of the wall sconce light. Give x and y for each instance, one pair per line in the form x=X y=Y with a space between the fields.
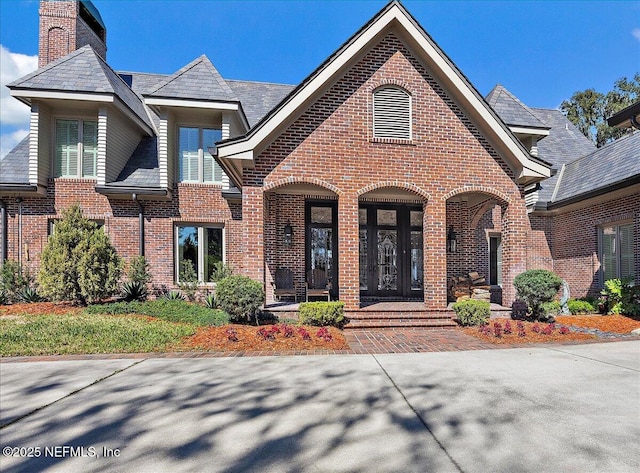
x=288 y=234
x=452 y=240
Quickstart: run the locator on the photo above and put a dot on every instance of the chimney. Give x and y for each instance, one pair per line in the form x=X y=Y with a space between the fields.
x=67 y=25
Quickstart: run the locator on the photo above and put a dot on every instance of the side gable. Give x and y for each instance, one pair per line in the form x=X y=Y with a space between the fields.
x=237 y=153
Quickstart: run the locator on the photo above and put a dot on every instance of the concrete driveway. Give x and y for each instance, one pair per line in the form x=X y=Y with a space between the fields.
x=546 y=409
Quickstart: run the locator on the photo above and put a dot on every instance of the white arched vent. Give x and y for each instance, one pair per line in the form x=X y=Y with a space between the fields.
x=391 y=113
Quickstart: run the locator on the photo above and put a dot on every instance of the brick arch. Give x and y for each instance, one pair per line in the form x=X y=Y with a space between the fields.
x=390 y=82
x=478 y=189
x=285 y=181
x=484 y=208
x=58 y=43
x=408 y=186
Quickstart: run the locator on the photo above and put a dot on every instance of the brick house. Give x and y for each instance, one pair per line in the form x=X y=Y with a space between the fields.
x=385 y=171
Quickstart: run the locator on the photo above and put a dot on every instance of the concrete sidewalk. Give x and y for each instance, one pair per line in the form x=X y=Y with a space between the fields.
x=545 y=409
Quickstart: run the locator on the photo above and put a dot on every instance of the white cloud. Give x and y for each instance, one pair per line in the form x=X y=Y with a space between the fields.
x=12 y=67
x=8 y=141
x=636 y=33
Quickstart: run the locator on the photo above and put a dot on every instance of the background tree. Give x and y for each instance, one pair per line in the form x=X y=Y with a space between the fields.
x=78 y=264
x=589 y=109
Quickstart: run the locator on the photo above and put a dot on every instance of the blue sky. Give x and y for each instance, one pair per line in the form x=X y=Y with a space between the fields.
x=542 y=51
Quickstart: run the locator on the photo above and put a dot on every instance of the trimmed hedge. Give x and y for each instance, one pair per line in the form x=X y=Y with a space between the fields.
x=240 y=297
x=537 y=286
x=322 y=313
x=472 y=312
x=578 y=306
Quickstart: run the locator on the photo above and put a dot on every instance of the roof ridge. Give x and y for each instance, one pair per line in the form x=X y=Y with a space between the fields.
x=259 y=82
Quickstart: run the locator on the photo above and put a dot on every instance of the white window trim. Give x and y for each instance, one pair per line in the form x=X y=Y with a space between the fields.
x=201 y=152
x=80 y=165
x=616 y=225
x=201 y=235
x=373 y=115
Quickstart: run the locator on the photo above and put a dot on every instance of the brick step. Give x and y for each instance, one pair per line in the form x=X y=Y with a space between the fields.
x=401 y=314
x=425 y=323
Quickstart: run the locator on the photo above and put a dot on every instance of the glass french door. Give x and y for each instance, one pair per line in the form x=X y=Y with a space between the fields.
x=322 y=241
x=391 y=260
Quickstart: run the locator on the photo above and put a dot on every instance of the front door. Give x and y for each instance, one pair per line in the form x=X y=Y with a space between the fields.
x=391 y=262
x=322 y=241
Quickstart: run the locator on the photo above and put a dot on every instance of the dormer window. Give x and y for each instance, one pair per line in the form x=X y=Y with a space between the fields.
x=391 y=113
x=76 y=152
x=195 y=162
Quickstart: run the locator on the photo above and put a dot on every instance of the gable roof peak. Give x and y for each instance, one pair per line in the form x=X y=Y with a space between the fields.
x=198 y=80
x=511 y=110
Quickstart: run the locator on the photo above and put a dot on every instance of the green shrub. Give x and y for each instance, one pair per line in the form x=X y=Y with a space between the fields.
x=188 y=279
x=472 y=312
x=550 y=309
x=210 y=301
x=621 y=296
x=165 y=309
x=14 y=280
x=30 y=295
x=220 y=271
x=240 y=297
x=322 y=313
x=135 y=291
x=174 y=296
x=580 y=306
x=4 y=297
x=535 y=287
x=139 y=270
x=78 y=264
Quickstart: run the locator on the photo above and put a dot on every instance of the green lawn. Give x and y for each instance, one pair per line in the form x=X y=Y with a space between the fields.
x=75 y=334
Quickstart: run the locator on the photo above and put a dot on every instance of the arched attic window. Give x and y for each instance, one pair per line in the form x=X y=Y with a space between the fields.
x=391 y=113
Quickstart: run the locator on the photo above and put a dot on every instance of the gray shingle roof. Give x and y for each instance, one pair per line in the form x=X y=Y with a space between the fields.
x=142 y=169
x=14 y=167
x=142 y=82
x=609 y=165
x=511 y=110
x=198 y=80
x=83 y=71
x=258 y=98
x=564 y=144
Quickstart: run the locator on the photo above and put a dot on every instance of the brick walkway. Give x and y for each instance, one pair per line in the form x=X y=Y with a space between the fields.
x=361 y=341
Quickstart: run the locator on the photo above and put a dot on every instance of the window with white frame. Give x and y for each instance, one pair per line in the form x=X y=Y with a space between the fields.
x=76 y=148
x=203 y=246
x=391 y=113
x=195 y=162
x=616 y=251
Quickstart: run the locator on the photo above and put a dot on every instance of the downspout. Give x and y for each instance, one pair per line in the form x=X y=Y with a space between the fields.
x=5 y=232
x=140 y=224
x=19 y=201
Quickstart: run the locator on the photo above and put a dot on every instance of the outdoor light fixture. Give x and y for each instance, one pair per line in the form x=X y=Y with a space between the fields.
x=288 y=234
x=452 y=240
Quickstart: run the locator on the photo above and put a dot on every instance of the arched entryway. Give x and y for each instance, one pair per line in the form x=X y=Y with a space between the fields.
x=476 y=242
x=391 y=243
x=300 y=234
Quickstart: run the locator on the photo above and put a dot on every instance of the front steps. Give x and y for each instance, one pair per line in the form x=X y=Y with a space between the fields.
x=392 y=315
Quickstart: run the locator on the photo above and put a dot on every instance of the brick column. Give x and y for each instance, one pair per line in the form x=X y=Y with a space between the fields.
x=435 y=254
x=253 y=218
x=348 y=251
x=515 y=227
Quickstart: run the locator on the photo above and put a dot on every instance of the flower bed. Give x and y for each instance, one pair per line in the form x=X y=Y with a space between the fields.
x=512 y=332
x=280 y=337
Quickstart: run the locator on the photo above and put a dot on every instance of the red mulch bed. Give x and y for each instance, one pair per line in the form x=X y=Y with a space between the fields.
x=40 y=308
x=531 y=336
x=606 y=323
x=248 y=339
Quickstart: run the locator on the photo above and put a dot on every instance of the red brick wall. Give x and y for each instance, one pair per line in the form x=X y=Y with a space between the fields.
x=575 y=241
x=331 y=143
x=191 y=203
